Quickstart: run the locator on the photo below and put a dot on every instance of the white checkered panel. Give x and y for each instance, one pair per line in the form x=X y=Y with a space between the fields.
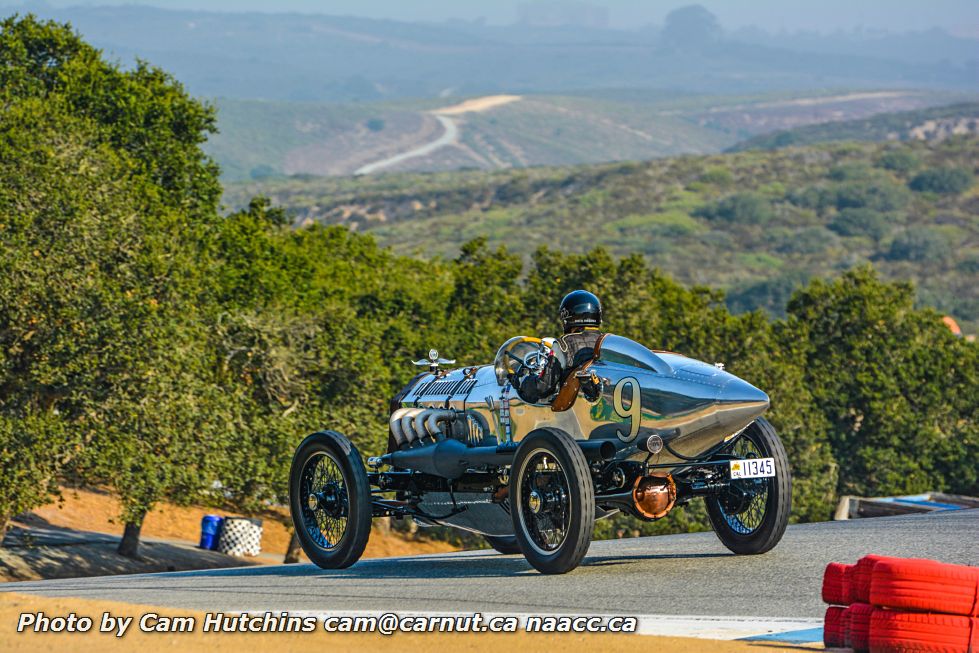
x=240 y=537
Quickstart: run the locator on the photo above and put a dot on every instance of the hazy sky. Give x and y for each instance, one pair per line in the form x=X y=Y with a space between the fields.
x=960 y=17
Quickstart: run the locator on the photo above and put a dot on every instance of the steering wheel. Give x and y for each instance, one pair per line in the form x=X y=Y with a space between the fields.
x=533 y=361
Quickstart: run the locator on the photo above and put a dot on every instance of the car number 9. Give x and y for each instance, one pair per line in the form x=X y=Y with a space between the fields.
x=633 y=412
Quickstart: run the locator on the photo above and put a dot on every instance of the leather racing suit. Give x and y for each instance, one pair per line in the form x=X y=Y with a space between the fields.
x=569 y=353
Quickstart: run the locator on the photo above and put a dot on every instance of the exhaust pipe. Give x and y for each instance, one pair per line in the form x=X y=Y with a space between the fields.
x=431 y=419
x=407 y=426
x=411 y=425
x=450 y=458
x=395 y=423
x=597 y=450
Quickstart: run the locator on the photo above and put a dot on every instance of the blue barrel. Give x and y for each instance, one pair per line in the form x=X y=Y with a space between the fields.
x=210 y=529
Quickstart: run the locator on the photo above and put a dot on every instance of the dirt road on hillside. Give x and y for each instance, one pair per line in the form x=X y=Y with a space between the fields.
x=450 y=133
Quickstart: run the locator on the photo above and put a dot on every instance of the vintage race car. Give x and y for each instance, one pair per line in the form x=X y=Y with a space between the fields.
x=464 y=450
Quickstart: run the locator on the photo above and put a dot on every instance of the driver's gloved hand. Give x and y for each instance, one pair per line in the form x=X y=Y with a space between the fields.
x=534 y=387
x=529 y=389
x=591 y=387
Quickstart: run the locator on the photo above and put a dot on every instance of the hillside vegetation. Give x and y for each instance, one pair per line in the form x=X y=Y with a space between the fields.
x=268 y=139
x=757 y=224
x=261 y=139
x=935 y=123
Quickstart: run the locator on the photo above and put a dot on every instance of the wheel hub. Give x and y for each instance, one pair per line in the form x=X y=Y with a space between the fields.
x=329 y=499
x=323 y=501
x=535 y=502
x=736 y=500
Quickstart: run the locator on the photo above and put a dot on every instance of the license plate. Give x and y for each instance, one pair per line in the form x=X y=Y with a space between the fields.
x=753 y=468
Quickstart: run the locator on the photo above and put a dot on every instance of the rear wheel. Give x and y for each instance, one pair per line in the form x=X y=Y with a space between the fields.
x=552 y=501
x=751 y=515
x=330 y=500
x=505 y=544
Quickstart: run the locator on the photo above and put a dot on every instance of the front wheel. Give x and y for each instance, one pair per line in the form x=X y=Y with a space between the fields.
x=330 y=500
x=751 y=515
x=552 y=501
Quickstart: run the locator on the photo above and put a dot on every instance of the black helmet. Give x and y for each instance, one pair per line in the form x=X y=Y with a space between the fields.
x=580 y=309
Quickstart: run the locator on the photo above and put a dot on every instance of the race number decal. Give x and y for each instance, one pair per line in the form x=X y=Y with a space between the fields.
x=633 y=412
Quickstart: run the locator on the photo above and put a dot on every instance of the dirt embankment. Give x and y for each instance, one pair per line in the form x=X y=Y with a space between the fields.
x=476 y=105
x=74 y=543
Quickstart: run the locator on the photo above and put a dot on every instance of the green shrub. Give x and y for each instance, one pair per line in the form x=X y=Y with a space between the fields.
x=861 y=222
x=770 y=295
x=742 y=208
x=759 y=261
x=920 y=244
x=850 y=172
x=896 y=387
x=878 y=195
x=33 y=449
x=949 y=180
x=717 y=176
x=818 y=198
x=969 y=264
x=810 y=240
x=899 y=160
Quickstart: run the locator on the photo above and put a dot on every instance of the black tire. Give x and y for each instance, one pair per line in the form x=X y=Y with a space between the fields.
x=505 y=544
x=755 y=527
x=551 y=465
x=327 y=471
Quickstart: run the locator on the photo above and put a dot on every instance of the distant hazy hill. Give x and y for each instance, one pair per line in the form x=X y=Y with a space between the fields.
x=755 y=223
x=934 y=123
x=268 y=138
x=341 y=58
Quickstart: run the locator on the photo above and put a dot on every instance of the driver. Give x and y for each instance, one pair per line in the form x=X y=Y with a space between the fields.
x=581 y=318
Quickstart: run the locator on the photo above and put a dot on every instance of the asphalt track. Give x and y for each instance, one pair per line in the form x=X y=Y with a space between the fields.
x=690 y=574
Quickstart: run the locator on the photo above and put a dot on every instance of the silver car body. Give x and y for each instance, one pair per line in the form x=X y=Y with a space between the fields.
x=693 y=407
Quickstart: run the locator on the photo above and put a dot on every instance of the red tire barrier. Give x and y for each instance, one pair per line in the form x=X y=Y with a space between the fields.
x=926 y=586
x=845 y=626
x=834 y=584
x=860 y=626
x=917 y=632
x=862 y=575
x=848 y=588
x=833 y=627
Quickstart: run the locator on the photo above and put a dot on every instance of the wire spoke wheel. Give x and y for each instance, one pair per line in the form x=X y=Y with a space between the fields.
x=544 y=501
x=745 y=505
x=330 y=500
x=325 y=500
x=749 y=516
x=552 y=501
